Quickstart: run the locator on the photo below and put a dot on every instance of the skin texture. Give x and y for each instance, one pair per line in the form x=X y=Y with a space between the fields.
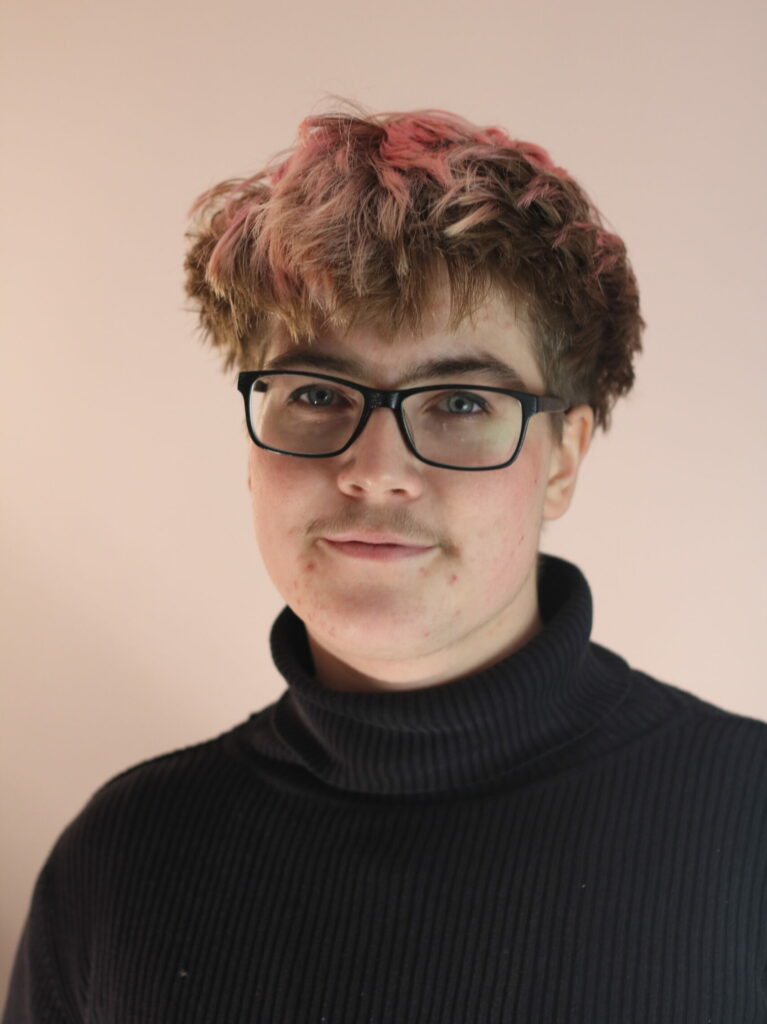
x=471 y=600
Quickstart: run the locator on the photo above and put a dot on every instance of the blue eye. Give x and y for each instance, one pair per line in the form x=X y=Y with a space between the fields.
x=465 y=403
x=321 y=398
x=317 y=395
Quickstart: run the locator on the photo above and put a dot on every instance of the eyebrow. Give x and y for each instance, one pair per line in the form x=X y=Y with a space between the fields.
x=308 y=357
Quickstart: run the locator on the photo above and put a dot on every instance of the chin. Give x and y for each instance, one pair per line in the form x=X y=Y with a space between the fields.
x=374 y=630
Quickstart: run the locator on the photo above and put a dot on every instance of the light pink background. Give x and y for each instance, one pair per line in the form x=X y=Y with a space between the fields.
x=135 y=612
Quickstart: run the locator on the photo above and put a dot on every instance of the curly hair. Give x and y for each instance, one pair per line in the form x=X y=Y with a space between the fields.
x=357 y=223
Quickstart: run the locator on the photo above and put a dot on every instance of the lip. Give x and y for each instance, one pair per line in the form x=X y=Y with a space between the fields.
x=368 y=537
x=378 y=550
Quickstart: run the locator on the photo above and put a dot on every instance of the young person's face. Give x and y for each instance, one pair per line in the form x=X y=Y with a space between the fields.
x=467 y=600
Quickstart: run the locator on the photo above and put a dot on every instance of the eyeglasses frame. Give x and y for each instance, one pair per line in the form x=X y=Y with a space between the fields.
x=383 y=398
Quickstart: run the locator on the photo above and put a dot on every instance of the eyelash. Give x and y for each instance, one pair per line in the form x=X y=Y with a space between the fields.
x=470 y=396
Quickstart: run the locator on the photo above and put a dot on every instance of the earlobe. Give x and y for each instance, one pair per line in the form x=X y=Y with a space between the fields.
x=566 y=458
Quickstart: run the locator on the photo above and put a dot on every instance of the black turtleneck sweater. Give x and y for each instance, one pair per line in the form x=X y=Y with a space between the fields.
x=557 y=838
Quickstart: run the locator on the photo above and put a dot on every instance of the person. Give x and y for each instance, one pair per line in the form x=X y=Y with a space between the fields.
x=461 y=808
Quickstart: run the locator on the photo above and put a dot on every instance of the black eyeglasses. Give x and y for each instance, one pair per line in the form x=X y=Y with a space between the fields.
x=453 y=426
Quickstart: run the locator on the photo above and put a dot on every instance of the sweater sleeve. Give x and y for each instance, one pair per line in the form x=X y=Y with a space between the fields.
x=37 y=994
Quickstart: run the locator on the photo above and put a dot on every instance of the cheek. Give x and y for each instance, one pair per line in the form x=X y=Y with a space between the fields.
x=277 y=491
x=286 y=496
x=511 y=496
x=502 y=522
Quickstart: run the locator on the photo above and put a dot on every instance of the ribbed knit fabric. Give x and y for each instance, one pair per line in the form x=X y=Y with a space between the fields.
x=558 y=838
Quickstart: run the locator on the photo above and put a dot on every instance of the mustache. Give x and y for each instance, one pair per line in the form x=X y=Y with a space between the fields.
x=397 y=521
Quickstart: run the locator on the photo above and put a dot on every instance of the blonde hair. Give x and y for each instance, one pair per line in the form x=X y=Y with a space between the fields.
x=359 y=221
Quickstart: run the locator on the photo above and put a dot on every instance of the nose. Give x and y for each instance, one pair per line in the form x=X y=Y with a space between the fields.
x=379 y=464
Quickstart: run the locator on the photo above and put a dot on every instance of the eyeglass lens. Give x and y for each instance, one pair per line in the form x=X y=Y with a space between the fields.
x=456 y=426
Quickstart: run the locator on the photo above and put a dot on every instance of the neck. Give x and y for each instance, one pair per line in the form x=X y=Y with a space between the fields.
x=537 y=706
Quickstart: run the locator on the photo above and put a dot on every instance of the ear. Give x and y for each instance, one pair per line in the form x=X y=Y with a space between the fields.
x=566 y=459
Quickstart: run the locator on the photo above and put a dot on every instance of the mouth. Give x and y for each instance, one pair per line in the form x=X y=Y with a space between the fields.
x=375 y=550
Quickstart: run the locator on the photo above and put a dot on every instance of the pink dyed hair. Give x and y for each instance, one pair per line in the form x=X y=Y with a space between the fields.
x=358 y=223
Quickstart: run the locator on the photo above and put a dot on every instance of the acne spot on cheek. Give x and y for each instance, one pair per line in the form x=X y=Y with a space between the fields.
x=310 y=566
x=453 y=578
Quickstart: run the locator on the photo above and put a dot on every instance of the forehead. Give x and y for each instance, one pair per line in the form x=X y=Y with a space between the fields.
x=494 y=345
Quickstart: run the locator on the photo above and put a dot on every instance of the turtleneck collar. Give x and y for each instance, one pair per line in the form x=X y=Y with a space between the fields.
x=547 y=695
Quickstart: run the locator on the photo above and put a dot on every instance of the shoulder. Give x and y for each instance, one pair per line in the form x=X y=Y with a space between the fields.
x=705 y=733
x=157 y=799
x=140 y=827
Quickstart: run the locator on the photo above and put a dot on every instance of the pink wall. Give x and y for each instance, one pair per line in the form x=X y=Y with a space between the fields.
x=135 y=612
